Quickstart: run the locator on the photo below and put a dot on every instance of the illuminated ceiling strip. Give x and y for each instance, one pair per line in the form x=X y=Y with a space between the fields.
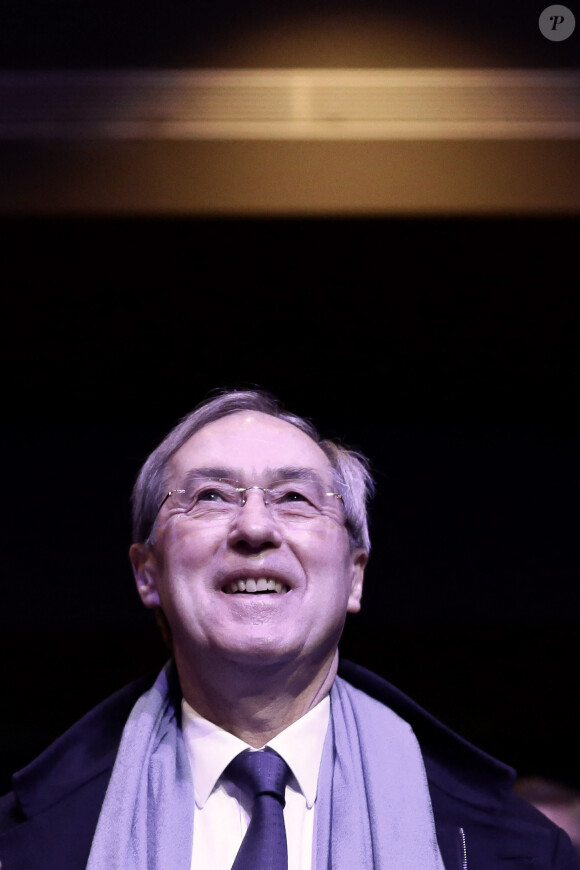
x=293 y=104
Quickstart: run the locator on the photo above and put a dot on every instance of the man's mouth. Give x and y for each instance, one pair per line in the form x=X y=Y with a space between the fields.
x=261 y=586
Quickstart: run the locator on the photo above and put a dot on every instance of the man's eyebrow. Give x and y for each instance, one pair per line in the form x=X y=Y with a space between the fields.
x=292 y=472
x=286 y=472
x=213 y=472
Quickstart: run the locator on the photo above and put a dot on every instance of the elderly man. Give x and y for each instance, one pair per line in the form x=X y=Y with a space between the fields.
x=249 y=750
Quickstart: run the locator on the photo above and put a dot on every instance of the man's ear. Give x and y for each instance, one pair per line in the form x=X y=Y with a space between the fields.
x=359 y=560
x=145 y=572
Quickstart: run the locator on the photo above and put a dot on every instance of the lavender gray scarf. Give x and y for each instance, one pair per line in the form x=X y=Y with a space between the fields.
x=373 y=805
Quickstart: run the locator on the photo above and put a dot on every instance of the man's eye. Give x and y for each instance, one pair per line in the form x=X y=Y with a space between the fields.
x=210 y=495
x=293 y=495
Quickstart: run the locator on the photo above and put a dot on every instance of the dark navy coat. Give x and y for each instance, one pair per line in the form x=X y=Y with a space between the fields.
x=48 y=821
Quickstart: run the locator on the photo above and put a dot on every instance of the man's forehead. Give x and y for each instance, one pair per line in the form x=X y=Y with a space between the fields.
x=250 y=440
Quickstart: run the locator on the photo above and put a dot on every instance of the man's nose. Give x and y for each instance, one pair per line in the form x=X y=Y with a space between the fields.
x=255 y=526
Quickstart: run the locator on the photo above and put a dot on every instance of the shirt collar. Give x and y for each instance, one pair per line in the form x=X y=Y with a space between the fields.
x=211 y=749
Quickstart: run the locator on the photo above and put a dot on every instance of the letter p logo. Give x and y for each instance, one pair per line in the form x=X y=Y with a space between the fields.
x=557 y=23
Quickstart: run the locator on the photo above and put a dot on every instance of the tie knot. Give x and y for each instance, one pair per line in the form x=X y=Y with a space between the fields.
x=262 y=772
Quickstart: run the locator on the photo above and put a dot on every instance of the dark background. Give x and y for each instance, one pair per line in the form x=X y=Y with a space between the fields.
x=66 y=34
x=446 y=348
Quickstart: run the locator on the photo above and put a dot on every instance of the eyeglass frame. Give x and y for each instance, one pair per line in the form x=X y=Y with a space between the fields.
x=265 y=490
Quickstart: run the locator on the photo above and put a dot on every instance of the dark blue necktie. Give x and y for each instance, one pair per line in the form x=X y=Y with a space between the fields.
x=263 y=776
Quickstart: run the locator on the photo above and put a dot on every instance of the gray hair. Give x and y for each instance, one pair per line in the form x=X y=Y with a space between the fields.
x=350 y=469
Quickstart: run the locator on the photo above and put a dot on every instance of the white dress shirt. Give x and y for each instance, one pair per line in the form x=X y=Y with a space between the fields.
x=222 y=811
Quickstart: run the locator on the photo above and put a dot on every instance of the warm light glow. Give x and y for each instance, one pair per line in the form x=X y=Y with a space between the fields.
x=364 y=39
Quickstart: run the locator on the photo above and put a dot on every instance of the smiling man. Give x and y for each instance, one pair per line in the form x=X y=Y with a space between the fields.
x=252 y=566
x=252 y=750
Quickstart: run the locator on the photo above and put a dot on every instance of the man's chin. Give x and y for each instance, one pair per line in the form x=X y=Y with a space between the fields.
x=277 y=653
x=269 y=651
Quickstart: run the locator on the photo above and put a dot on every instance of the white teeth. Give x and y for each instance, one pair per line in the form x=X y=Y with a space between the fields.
x=262 y=584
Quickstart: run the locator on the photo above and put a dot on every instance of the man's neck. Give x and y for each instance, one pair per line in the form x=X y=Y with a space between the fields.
x=255 y=703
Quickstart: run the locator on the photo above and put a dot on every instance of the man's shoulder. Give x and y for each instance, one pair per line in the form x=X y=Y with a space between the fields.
x=84 y=750
x=471 y=792
x=63 y=788
x=446 y=754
